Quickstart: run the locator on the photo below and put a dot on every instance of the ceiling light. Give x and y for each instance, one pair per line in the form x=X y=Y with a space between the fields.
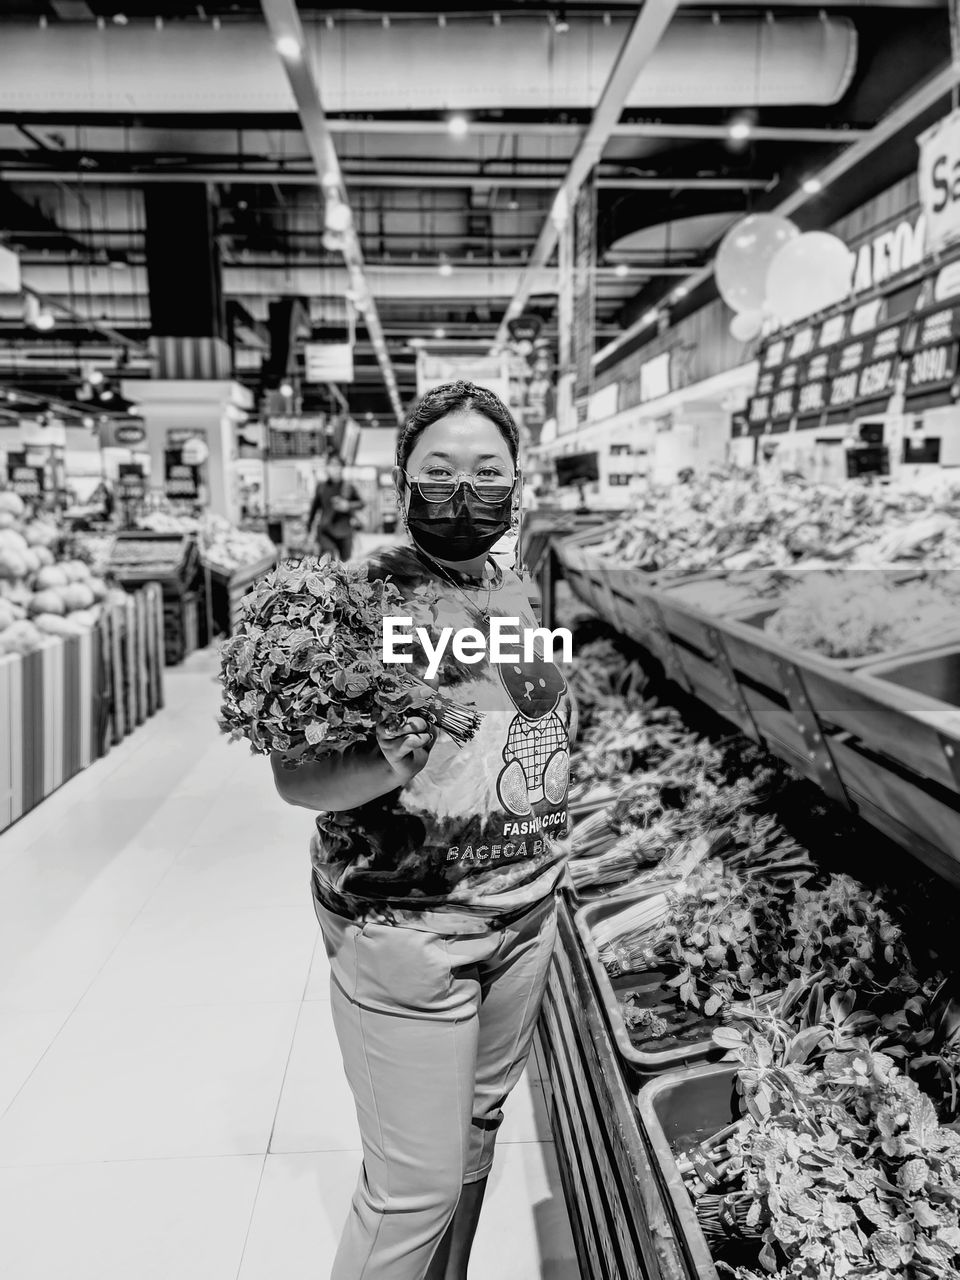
x=106 y=395
x=812 y=186
x=133 y=408
x=740 y=129
x=288 y=47
x=45 y=320
x=445 y=269
x=621 y=270
x=651 y=317
x=560 y=23
x=458 y=126
x=337 y=216
x=118 y=261
x=513 y=205
x=85 y=391
x=96 y=377
x=439 y=334
x=680 y=291
x=121 y=19
x=286 y=390
x=88 y=422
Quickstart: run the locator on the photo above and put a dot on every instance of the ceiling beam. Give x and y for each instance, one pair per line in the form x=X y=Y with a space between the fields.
x=299 y=178
x=287 y=32
x=645 y=34
x=640 y=129
x=896 y=120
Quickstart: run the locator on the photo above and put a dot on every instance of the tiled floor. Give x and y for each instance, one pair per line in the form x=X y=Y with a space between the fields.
x=172 y=1105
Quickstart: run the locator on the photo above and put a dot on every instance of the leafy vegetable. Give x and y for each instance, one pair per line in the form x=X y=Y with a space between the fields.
x=304 y=674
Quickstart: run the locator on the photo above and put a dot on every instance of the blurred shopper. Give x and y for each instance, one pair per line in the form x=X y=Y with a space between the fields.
x=334 y=507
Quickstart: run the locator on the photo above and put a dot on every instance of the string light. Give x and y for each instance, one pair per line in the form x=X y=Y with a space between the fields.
x=812 y=186
x=288 y=47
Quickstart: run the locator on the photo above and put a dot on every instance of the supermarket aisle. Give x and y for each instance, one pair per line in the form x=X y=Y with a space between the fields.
x=171 y=1096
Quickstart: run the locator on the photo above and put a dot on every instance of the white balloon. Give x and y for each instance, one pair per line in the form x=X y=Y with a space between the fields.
x=807 y=275
x=744 y=256
x=747 y=325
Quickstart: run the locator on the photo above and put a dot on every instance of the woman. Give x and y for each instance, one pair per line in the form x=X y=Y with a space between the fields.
x=435 y=867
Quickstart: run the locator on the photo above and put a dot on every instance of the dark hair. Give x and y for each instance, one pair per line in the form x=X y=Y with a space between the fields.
x=456 y=397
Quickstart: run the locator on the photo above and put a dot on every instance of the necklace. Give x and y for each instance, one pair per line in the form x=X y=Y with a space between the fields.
x=482 y=615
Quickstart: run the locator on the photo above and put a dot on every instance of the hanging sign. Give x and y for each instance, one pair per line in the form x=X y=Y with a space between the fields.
x=27 y=481
x=130 y=434
x=328 y=362
x=132 y=482
x=181 y=481
x=812 y=396
x=655 y=380
x=177 y=436
x=932 y=364
x=939 y=175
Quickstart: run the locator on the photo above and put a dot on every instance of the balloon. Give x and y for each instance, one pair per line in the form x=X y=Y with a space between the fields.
x=747 y=325
x=807 y=275
x=744 y=256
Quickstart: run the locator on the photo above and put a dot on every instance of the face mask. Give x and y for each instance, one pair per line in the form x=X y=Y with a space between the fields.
x=461 y=528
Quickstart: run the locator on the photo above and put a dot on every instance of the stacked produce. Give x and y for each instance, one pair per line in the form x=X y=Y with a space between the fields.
x=40 y=596
x=737 y=521
x=843 y=1158
x=222 y=545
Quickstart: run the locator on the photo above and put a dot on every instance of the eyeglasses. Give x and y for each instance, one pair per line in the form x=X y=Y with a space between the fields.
x=440 y=486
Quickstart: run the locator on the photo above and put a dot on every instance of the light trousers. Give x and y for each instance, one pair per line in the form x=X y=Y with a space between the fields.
x=435 y=1031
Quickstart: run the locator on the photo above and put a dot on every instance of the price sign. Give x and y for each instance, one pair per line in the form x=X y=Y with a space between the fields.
x=939 y=177
x=788 y=377
x=181 y=481
x=132 y=481
x=932 y=363
x=843 y=391
x=783 y=405
x=774 y=354
x=27 y=481
x=802 y=343
x=758 y=411
x=833 y=331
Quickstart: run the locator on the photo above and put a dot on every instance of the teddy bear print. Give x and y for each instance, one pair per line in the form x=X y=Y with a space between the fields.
x=536 y=754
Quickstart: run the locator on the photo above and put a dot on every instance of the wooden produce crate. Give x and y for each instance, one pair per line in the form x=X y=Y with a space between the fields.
x=228 y=587
x=180 y=626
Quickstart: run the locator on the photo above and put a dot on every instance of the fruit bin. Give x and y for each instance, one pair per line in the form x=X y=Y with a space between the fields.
x=678 y=1111
x=692 y=1041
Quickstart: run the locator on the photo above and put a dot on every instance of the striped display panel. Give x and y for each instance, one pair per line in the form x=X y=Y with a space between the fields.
x=6 y=741
x=622 y=1225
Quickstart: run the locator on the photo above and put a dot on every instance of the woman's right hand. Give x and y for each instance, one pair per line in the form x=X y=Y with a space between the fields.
x=406 y=743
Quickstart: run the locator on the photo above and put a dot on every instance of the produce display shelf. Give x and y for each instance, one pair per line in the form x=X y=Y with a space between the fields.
x=622 y=1223
x=642 y=1062
x=883 y=739
x=64 y=704
x=227 y=589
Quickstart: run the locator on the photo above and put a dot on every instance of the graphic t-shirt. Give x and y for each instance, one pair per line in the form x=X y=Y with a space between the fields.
x=477 y=833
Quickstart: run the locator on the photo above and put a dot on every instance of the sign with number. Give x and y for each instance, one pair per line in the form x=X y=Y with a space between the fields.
x=328 y=362
x=132 y=481
x=181 y=481
x=26 y=480
x=939 y=175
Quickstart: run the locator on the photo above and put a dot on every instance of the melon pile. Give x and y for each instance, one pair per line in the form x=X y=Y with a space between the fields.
x=39 y=596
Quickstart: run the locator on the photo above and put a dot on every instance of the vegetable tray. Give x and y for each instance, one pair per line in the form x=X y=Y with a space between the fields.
x=677 y=1111
x=691 y=1043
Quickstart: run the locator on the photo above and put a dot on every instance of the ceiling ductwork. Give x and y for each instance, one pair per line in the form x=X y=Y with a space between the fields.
x=418 y=66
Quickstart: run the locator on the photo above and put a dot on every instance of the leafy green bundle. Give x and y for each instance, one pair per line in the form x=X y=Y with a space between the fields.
x=304 y=673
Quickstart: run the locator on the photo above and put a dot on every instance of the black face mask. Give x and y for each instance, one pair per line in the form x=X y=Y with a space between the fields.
x=461 y=528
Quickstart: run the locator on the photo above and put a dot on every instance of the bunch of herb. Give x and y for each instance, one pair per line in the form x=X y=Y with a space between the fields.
x=304 y=673
x=847 y=933
x=846 y=1167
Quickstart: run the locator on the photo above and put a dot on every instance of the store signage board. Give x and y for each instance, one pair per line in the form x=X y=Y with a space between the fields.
x=130 y=434
x=655 y=377
x=181 y=481
x=26 y=480
x=176 y=436
x=328 y=362
x=939 y=177
x=132 y=481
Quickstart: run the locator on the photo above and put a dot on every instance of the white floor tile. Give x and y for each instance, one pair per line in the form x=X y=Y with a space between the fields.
x=203 y=956
x=316 y=1111
x=152 y=1220
x=274 y=877
x=525 y=1116
x=49 y=963
x=301 y=1208
x=24 y=1039
x=153 y=1081
x=524 y=1231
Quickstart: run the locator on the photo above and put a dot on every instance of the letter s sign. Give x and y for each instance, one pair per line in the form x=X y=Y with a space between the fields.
x=939 y=179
